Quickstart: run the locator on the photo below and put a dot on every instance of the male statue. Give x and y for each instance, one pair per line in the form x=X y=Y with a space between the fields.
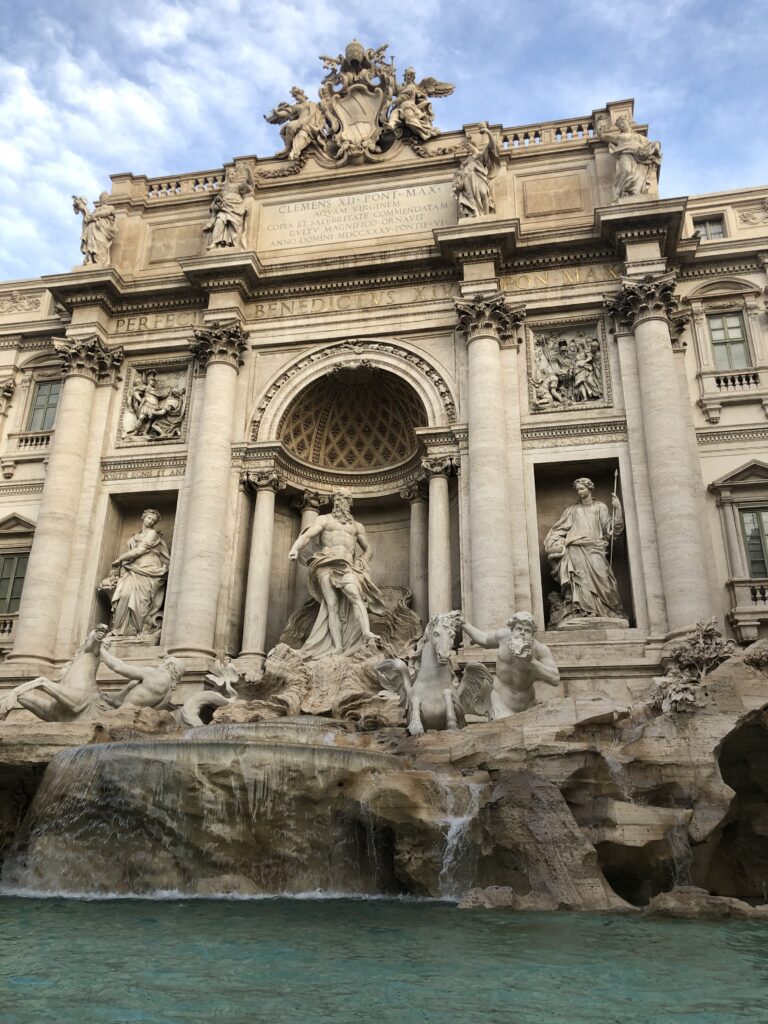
x=150 y=686
x=522 y=660
x=338 y=581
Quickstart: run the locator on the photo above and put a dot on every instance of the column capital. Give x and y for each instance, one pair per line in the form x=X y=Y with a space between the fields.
x=219 y=342
x=486 y=315
x=261 y=480
x=440 y=465
x=414 y=491
x=310 y=499
x=647 y=298
x=88 y=357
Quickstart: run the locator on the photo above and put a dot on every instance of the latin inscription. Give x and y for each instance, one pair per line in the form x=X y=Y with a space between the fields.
x=335 y=219
x=157 y=321
x=560 y=277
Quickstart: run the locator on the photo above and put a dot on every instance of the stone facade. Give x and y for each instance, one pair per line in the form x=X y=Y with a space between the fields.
x=355 y=327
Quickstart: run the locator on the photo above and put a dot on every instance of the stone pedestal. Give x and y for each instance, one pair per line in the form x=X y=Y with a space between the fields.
x=85 y=363
x=266 y=485
x=486 y=321
x=218 y=349
x=646 y=306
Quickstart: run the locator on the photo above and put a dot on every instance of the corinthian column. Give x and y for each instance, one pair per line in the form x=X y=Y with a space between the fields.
x=308 y=504
x=85 y=362
x=266 y=485
x=646 y=306
x=416 y=497
x=486 y=321
x=218 y=349
x=438 y=468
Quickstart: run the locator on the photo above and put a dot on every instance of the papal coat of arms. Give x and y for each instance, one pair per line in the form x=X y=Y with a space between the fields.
x=362 y=111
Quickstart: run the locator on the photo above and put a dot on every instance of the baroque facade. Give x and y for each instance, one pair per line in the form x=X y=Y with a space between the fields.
x=452 y=328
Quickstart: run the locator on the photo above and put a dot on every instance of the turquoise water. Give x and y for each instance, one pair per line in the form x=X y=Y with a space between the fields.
x=373 y=962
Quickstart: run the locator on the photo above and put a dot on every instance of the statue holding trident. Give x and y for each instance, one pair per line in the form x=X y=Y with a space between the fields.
x=339 y=581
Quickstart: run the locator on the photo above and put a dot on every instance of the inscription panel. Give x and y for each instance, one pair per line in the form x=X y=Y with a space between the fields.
x=359 y=215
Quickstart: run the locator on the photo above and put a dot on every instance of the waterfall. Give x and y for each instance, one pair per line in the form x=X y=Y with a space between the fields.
x=459 y=854
x=620 y=776
x=679 y=844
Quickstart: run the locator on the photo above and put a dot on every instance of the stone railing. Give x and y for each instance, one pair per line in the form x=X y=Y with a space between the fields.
x=7 y=629
x=749 y=607
x=738 y=381
x=31 y=441
x=547 y=134
x=730 y=387
x=184 y=185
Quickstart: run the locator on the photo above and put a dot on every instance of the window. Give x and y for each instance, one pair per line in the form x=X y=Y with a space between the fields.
x=44 y=401
x=755 y=524
x=709 y=228
x=729 y=343
x=13 y=568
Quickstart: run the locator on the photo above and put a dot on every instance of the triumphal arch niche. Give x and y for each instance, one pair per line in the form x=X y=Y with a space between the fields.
x=513 y=376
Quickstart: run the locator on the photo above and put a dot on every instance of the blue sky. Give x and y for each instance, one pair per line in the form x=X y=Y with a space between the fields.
x=92 y=88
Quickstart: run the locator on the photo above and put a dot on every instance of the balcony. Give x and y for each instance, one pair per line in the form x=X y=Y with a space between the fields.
x=732 y=387
x=7 y=631
x=749 y=611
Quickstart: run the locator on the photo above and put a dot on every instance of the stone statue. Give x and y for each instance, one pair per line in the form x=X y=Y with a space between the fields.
x=229 y=210
x=522 y=661
x=303 y=123
x=411 y=108
x=339 y=581
x=432 y=698
x=567 y=371
x=576 y=547
x=157 y=410
x=75 y=697
x=472 y=181
x=99 y=231
x=139 y=577
x=637 y=159
x=150 y=686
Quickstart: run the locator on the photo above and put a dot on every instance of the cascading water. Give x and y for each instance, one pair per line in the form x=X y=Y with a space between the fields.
x=259 y=809
x=679 y=844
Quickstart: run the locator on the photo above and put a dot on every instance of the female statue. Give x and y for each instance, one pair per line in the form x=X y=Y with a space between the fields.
x=99 y=231
x=576 y=548
x=637 y=159
x=229 y=210
x=137 y=601
x=472 y=180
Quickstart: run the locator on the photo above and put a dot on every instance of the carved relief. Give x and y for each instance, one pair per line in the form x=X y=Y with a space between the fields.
x=568 y=366
x=155 y=403
x=755 y=215
x=15 y=302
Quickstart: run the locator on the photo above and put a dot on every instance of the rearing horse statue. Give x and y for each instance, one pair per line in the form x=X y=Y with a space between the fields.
x=434 y=698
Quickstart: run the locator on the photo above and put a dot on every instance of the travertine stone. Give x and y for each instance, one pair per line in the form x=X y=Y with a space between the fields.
x=439 y=544
x=218 y=348
x=487 y=321
x=308 y=504
x=472 y=184
x=84 y=362
x=98 y=232
x=266 y=484
x=418 y=582
x=637 y=159
x=645 y=306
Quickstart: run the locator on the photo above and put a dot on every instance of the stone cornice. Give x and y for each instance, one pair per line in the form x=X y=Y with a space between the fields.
x=138 y=467
x=733 y=435
x=89 y=357
x=570 y=432
x=218 y=342
x=489 y=315
x=650 y=297
x=642 y=220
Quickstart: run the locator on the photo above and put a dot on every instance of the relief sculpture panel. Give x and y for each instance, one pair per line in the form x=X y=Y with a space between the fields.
x=155 y=403
x=567 y=367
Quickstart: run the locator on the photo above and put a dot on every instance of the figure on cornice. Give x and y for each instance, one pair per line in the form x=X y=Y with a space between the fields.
x=302 y=121
x=99 y=231
x=411 y=108
x=472 y=183
x=229 y=210
x=637 y=159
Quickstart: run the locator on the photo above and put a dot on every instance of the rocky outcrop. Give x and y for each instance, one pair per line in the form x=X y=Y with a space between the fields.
x=694 y=903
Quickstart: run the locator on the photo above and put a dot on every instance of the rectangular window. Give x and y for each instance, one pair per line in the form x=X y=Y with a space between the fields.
x=755 y=524
x=729 y=343
x=42 y=415
x=709 y=228
x=13 y=568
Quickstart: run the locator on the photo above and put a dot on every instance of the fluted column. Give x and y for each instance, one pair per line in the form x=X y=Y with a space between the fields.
x=438 y=468
x=415 y=495
x=308 y=504
x=486 y=321
x=266 y=484
x=85 y=363
x=647 y=307
x=218 y=349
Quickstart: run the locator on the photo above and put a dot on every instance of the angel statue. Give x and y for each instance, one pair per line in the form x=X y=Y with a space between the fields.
x=99 y=231
x=433 y=698
x=302 y=123
x=412 y=109
x=229 y=210
x=472 y=181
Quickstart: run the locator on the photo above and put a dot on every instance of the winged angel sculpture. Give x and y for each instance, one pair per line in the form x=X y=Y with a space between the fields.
x=362 y=109
x=432 y=697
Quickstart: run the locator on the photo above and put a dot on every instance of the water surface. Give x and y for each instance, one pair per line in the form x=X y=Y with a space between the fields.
x=340 y=961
